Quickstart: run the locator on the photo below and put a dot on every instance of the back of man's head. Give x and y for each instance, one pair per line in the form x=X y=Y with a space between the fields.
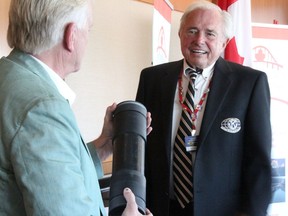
x=38 y=25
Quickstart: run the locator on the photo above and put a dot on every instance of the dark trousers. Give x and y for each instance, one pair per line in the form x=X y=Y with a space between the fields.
x=176 y=210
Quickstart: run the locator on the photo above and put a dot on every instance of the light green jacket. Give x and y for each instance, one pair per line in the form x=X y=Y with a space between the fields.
x=45 y=167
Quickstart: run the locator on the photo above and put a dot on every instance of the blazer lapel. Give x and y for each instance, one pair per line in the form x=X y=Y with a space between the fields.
x=219 y=88
x=168 y=88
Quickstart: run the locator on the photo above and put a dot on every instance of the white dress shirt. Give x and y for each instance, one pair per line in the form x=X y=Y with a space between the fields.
x=201 y=85
x=61 y=85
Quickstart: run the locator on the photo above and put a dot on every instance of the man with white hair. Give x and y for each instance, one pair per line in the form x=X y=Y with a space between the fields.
x=209 y=153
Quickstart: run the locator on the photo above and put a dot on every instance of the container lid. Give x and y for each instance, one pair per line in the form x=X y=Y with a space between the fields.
x=131 y=106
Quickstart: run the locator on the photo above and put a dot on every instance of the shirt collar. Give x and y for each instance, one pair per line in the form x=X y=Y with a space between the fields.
x=206 y=71
x=61 y=85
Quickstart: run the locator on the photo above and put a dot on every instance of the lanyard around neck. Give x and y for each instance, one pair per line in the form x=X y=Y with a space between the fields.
x=196 y=108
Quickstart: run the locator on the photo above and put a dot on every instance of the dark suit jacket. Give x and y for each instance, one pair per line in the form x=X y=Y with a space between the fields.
x=232 y=171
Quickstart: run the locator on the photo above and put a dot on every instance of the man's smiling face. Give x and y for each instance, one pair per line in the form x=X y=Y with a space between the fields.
x=202 y=37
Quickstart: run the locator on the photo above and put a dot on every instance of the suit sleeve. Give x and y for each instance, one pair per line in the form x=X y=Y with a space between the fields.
x=96 y=160
x=256 y=162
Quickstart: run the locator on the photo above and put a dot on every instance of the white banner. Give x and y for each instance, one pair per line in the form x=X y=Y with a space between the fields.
x=161 y=31
x=269 y=46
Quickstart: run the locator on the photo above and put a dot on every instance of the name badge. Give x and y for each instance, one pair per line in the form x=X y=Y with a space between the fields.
x=191 y=143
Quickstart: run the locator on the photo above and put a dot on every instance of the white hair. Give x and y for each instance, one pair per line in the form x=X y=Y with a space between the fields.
x=226 y=17
x=38 y=25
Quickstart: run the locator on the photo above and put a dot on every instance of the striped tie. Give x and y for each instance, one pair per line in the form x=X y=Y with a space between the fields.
x=182 y=166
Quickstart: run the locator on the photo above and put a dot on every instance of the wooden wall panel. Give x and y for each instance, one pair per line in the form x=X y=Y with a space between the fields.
x=263 y=11
x=179 y=5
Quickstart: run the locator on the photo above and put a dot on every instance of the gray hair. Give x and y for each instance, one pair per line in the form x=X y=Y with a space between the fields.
x=38 y=25
x=226 y=17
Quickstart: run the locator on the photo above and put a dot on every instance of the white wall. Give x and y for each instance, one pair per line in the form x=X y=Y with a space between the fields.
x=119 y=48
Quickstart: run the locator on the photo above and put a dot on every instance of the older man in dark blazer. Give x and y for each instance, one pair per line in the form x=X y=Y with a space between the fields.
x=231 y=164
x=45 y=166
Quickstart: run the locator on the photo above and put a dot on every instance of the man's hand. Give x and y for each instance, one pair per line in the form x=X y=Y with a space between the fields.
x=149 y=120
x=131 y=207
x=103 y=143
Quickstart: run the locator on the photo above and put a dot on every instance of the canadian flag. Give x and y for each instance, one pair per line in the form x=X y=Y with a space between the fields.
x=239 y=49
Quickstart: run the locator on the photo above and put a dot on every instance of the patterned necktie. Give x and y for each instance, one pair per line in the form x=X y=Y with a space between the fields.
x=182 y=165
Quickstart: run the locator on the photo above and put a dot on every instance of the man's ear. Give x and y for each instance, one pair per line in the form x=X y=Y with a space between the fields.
x=69 y=36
